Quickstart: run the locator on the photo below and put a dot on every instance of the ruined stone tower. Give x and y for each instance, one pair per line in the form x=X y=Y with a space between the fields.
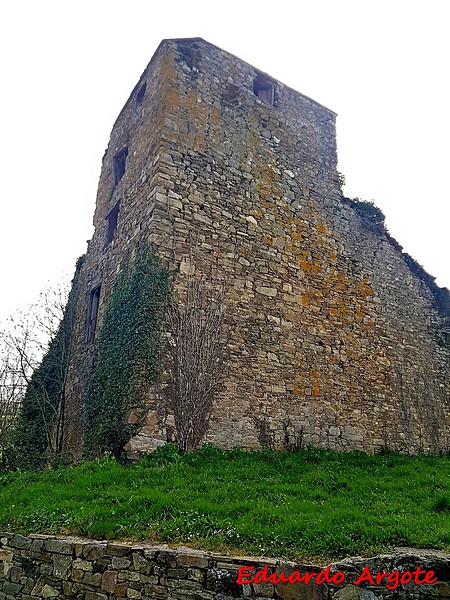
x=336 y=339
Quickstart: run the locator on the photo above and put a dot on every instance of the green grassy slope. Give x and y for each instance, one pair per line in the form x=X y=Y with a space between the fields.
x=310 y=504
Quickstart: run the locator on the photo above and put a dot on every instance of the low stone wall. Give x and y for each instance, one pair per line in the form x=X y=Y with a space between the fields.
x=36 y=567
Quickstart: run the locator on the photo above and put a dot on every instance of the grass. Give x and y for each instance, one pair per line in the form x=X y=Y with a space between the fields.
x=309 y=504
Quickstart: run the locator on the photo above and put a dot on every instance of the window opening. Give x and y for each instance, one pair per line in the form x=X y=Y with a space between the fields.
x=94 y=301
x=119 y=165
x=140 y=95
x=111 y=226
x=264 y=89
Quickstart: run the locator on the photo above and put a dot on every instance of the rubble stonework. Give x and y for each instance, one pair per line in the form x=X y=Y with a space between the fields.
x=335 y=341
x=34 y=567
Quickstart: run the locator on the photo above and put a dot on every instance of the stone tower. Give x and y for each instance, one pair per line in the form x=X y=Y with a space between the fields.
x=337 y=339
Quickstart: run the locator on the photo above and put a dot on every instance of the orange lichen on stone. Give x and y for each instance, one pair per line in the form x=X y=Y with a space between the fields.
x=364 y=289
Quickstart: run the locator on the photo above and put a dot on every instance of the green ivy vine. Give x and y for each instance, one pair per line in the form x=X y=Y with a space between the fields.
x=128 y=355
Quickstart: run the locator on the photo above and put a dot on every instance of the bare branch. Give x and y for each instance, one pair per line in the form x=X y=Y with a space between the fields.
x=23 y=344
x=195 y=354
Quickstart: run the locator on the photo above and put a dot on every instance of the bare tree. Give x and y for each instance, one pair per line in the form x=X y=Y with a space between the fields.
x=12 y=388
x=195 y=355
x=28 y=375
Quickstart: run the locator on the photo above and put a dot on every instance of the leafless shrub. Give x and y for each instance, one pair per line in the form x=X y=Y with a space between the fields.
x=24 y=342
x=293 y=439
x=12 y=388
x=195 y=355
x=265 y=436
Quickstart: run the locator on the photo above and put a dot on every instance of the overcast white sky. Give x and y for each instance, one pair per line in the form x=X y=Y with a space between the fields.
x=68 y=67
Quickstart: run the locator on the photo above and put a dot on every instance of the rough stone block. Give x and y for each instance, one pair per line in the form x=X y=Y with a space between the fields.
x=140 y=563
x=121 y=590
x=118 y=562
x=109 y=581
x=117 y=549
x=59 y=546
x=37 y=546
x=15 y=574
x=293 y=591
x=94 y=551
x=352 y=592
x=177 y=573
x=61 y=565
x=12 y=588
x=83 y=565
x=94 y=579
x=95 y=596
x=192 y=560
x=6 y=555
x=155 y=591
x=20 y=541
x=49 y=592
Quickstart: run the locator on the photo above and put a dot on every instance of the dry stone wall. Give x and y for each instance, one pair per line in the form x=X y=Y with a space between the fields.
x=38 y=567
x=334 y=340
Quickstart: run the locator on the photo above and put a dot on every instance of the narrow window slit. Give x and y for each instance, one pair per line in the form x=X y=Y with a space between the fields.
x=264 y=89
x=94 y=301
x=111 y=224
x=119 y=165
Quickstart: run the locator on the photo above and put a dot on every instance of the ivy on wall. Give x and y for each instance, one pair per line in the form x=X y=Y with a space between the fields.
x=36 y=440
x=128 y=355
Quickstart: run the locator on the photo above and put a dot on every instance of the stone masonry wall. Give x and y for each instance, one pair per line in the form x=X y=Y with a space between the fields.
x=38 y=567
x=334 y=341
x=138 y=129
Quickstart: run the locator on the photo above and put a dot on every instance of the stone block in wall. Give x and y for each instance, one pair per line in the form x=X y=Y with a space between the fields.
x=59 y=546
x=222 y=581
x=20 y=541
x=61 y=565
x=93 y=551
x=117 y=549
x=6 y=555
x=49 y=592
x=120 y=563
x=140 y=563
x=13 y=589
x=295 y=591
x=94 y=579
x=82 y=565
x=95 y=596
x=351 y=592
x=155 y=591
x=121 y=590
x=109 y=581
x=192 y=560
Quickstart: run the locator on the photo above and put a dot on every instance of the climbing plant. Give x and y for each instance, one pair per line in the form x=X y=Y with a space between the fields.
x=128 y=355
